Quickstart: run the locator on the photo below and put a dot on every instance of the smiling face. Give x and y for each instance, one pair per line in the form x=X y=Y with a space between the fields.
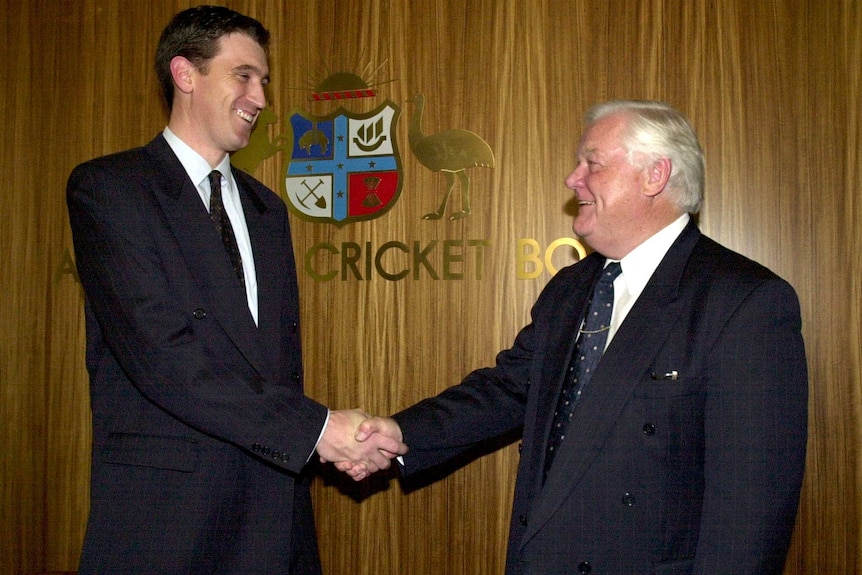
x=216 y=106
x=614 y=197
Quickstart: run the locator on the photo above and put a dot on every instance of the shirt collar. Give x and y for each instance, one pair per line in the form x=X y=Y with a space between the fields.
x=194 y=164
x=640 y=263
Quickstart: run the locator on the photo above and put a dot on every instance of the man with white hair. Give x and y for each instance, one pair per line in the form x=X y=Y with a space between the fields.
x=661 y=387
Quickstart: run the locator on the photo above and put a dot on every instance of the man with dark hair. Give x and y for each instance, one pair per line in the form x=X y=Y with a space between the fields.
x=194 y=33
x=201 y=430
x=661 y=387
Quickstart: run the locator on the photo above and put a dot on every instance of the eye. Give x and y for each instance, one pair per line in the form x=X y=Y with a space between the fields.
x=593 y=166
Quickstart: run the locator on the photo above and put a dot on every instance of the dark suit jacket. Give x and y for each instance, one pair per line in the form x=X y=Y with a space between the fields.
x=200 y=426
x=699 y=474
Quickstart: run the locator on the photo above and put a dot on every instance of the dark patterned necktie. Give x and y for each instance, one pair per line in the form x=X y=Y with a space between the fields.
x=592 y=338
x=222 y=224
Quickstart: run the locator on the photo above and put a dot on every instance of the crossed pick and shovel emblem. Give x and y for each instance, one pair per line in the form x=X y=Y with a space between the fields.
x=320 y=201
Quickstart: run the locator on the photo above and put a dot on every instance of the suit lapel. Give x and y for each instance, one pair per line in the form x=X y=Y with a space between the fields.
x=629 y=354
x=562 y=346
x=203 y=252
x=268 y=264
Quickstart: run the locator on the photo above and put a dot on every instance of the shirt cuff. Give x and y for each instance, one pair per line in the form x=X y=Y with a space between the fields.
x=319 y=437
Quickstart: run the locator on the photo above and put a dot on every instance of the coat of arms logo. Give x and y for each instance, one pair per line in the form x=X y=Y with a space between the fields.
x=345 y=166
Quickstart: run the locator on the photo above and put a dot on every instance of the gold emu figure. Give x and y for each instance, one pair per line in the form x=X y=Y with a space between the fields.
x=451 y=152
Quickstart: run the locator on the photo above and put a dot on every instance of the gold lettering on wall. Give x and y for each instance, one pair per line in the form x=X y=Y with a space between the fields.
x=447 y=259
x=66 y=267
x=395 y=260
x=530 y=262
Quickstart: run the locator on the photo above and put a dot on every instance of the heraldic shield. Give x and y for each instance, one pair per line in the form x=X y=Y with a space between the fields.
x=344 y=167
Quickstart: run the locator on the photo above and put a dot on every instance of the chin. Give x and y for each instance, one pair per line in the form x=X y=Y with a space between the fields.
x=580 y=229
x=240 y=143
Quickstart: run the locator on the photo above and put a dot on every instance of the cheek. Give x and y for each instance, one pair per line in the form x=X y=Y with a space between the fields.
x=615 y=193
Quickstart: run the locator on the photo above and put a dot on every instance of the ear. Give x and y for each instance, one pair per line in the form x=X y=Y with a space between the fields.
x=182 y=71
x=658 y=175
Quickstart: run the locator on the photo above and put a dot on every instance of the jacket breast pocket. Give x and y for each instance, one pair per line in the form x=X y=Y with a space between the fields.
x=666 y=388
x=671 y=423
x=159 y=452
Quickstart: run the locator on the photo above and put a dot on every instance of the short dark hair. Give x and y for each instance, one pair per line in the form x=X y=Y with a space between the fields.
x=194 y=34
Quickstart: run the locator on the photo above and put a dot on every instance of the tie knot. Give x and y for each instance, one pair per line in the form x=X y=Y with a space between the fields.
x=610 y=273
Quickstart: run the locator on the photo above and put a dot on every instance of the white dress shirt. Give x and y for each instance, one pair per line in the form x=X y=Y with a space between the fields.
x=638 y=267
x=199 y=170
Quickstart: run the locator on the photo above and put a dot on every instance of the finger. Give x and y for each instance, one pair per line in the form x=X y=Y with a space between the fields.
x=391 y=455
x=379 y=461
x=353 y=469
x=389 y=444
x=374 y=462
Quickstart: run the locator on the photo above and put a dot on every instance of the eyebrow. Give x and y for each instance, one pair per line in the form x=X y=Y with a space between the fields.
x=588 y=152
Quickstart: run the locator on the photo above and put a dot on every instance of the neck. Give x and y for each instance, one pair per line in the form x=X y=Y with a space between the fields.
x=184 y=130
x=635 y=235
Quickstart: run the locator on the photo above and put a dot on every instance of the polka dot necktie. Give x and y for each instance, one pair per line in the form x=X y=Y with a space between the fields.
x=592 y=337
x=222 y=224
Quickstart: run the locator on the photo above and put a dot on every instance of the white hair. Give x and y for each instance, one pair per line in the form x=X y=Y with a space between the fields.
x=657 y=130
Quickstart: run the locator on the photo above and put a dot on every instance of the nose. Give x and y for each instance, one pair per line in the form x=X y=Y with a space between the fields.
x=257 y=95
x=575 y=179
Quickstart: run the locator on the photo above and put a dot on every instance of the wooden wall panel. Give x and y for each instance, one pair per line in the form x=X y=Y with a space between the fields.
x=773 y=89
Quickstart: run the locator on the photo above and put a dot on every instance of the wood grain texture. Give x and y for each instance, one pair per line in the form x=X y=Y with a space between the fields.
x=772 y=87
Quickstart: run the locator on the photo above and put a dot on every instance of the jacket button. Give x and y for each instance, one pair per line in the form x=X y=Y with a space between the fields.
x=649 y=429
x=199 y=313
x=585 y=567
x=294 y=327
x=521 y=447
x=628 y=500
x=296 y=377
x=523 y=520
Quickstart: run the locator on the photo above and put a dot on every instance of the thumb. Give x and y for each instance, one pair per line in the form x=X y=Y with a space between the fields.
x=365 y=430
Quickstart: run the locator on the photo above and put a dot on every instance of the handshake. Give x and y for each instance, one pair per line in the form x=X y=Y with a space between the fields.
x=359 y=444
